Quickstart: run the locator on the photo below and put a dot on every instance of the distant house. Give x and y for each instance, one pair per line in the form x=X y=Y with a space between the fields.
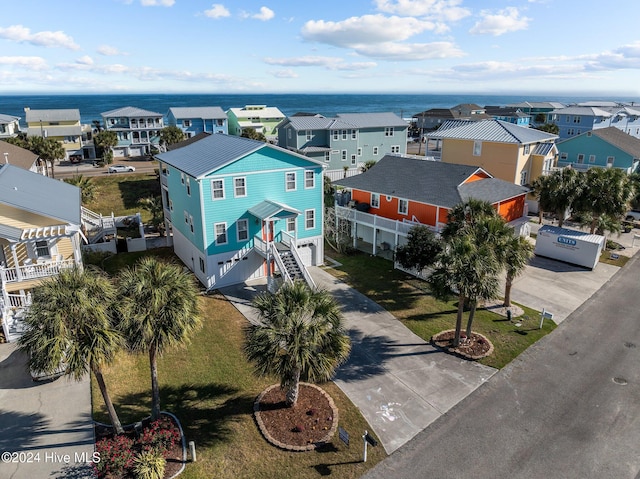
x=398 y=193
x=604 y=148
x=537 y=110
x=578 y=119
x=432 y=119
x=9 y=126
x=512 y=153
x=237 y=209
x=261 y=118
x=508 y=114
x=345 y=141
x=63 y=126
x=39 y=236
x=20 y=157
x=138 y=130
x=194 y=120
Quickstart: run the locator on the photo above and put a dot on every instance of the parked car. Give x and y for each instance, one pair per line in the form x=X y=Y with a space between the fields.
x=120 y=168
x=632 y=215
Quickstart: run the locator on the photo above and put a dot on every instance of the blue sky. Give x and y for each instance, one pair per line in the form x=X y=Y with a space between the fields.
x=573 y=47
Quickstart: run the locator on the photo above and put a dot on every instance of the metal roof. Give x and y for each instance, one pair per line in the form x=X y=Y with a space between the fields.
x=430 y=182
x=39 y=194
x=200 y=158
x=8 y=118
x=268 y=209
x=542 y=149
x=615 y=137
x=52 y=115
x=583 y=110
x=129 y=112
x=491 y=130
x=372 y=120
x=204 y=112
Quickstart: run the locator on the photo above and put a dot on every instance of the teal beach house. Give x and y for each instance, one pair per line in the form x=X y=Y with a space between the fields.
x=237 y=209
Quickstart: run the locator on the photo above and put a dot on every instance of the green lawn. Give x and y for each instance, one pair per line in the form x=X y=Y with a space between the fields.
x=121 y=194
x=210 y=387
x=408 y=299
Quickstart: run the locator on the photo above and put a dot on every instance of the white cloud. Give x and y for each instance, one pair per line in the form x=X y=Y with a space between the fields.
x=217 y=10
x=109 y=51
x=285 y=74
x=21 y=34
x=368 y=29
x=504 y=21
x=264 y=15
x=30 y=63
x=441 y=10
x=410 y=51
x=157 y=3
x=330 y=63
x=85 y=60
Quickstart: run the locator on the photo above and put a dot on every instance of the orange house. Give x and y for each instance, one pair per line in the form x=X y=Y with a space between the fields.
x=411 y=191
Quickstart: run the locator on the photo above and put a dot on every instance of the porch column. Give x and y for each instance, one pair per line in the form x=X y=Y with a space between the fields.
x=14 y=255
x=77 y=254
x=375 y=234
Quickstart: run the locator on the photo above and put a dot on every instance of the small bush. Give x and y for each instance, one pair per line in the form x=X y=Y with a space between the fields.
x=160 y=435
x=149 y=465
x=116 y=456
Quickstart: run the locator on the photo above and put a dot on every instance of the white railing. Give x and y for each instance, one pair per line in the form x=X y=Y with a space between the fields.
x=375 y=221
x=280 y=264
x=18 y=300
x=340 y=174
x=34 y=271
x=290 y=241
x=260 y=245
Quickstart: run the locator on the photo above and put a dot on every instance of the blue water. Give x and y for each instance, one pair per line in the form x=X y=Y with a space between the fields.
x=405 y=105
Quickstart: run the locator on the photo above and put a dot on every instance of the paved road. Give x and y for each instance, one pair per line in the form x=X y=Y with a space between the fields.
x=568 y=407
x=67 y=170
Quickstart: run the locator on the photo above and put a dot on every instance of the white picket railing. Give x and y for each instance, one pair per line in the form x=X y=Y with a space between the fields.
x=34 y=271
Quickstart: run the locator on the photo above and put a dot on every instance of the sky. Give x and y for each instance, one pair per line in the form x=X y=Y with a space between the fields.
x=571 y=47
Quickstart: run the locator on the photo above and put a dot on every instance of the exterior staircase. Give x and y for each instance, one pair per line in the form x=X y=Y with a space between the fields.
x=96 y=226
x=291 y=265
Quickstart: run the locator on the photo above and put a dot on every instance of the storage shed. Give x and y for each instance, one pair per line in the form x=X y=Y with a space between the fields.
x=575 y=247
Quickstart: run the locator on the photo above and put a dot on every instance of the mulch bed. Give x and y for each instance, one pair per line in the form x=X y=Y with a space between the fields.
x=475 y=347
x=174 y=456
x=311 y=423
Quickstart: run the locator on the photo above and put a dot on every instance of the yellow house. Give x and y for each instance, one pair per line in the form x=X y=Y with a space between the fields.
x=61 y=125
x=40 y=221
x=510 y=152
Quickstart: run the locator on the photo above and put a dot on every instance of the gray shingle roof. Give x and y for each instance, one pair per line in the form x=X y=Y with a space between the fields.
x=17 y=156
x=128 y=112
x=39 y=194
x=52 y=115
x=205 y=112
x=491 y=130
x=430 y=182
x=615 y=137
x=200 y=158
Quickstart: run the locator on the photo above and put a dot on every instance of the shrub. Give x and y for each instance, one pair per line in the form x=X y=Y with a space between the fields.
x=161 y=435
x=149 y=465
x=116 y=456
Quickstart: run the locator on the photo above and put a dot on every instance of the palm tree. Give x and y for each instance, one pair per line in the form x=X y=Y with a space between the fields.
x=300 y=336
x=171 y=135
x=518 y=252
x=86 y=185
x=153 y=205
x=69 y=324
x=159 y=307
x=464 y=215
x=558 y=192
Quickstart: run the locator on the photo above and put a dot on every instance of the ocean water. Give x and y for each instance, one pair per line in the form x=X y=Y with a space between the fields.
x=404 y=105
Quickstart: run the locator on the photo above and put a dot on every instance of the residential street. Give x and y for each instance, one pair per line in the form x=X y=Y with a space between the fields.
x=566 y=408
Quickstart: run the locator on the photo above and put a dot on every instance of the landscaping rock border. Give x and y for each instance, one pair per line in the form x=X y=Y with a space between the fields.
x=457 y=351
x=290 y=447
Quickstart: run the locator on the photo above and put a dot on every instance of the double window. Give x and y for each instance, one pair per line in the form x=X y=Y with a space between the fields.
x=388 y=131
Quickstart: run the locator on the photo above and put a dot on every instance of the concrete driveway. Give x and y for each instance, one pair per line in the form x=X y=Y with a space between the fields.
x=47 y=424
x=400 y=383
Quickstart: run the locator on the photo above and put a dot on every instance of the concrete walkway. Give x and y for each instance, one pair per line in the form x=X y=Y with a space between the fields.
x=400 y=383
x=48 y=423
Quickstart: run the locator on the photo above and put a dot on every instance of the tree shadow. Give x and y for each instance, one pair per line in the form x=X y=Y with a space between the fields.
x=20 y=431
x=133 y=191
x=74 y=471
x=205 y=411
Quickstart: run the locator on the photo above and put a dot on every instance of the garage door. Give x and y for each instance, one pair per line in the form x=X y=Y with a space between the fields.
x=306 y=254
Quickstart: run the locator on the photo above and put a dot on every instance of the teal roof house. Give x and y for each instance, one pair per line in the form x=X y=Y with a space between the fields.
x=201 y=119
x=238 y=209
x=602 y=148
x=346 y=141
x=138 y=130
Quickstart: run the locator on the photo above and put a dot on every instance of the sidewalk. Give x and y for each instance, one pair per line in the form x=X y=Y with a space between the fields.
x=400 y=383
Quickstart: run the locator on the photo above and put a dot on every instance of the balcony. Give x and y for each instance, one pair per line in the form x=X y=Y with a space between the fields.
x=34 y=271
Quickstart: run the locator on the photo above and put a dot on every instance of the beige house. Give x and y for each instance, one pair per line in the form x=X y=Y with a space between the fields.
x=40 y=223
x=61 y=125
x=510 y=152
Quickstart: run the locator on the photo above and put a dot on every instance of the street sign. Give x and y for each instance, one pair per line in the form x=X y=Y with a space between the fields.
x=344 y=435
